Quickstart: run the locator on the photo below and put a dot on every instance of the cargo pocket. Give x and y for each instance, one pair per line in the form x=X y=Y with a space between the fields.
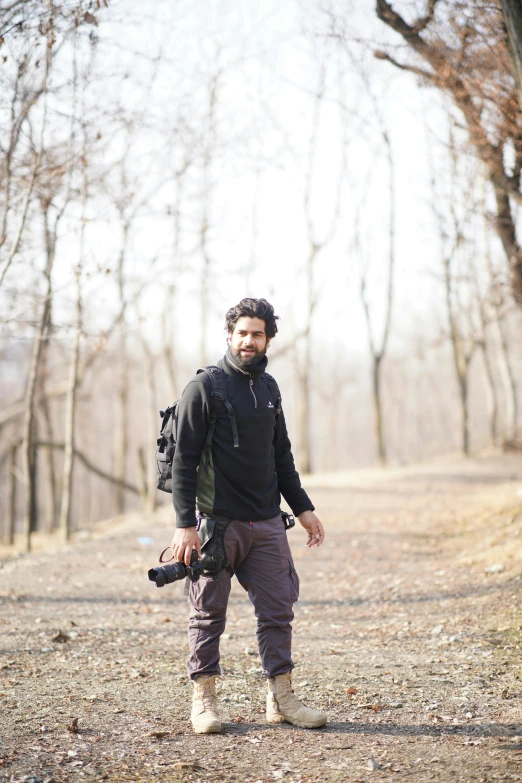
x=209 y=594
x=295 y=582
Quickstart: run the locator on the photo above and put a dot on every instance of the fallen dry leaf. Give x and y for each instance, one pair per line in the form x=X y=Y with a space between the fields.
x=60 y=637
x=191 y=765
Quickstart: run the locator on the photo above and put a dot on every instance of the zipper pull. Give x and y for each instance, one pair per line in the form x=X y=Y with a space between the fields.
x=253 y=393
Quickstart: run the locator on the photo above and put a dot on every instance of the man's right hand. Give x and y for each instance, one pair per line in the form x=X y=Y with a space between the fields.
x=185 y=540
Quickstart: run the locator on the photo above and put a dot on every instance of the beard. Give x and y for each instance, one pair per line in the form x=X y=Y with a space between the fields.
x=246 y=362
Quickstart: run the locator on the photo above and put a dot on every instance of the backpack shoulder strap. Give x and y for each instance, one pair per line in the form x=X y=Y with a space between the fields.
x=274 y=391
x=218 y=395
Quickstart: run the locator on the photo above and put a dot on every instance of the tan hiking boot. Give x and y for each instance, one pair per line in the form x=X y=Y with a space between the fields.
x=204 y=716
x=283 y=705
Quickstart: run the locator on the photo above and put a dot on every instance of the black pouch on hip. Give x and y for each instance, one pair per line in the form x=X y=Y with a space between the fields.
x=211 y=531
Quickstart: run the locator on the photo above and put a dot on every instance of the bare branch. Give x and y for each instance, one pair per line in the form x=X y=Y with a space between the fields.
x=90 y=466
x=380 y=55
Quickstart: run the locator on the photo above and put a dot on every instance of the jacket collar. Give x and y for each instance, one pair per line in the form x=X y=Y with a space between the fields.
x=231 y=368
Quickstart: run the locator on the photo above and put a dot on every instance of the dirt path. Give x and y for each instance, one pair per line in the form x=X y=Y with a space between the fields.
x=407 y=633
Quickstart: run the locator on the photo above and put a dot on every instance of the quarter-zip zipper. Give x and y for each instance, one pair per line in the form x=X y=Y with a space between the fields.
x=252 y=390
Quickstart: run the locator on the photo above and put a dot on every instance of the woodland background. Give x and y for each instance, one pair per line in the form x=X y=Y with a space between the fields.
x=357 y=164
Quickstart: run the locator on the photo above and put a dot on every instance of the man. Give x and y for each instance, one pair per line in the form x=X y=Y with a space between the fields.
x=250 y=466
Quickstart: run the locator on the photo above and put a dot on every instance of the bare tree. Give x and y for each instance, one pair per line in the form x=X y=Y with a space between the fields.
x=315 y=246
x=497 y=303
x=486 y=350
x=206 y=198
x=71 y=399
x=463 y=345
x=17 y=122
x=378 y=348
x=121 y=432
x=11 y=508
x=52 y=23
x=148 y=464
x=55 y=183
x=464 y=55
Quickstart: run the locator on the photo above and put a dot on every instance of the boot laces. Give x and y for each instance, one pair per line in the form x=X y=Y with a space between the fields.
x=286 y=697
x=207 y=695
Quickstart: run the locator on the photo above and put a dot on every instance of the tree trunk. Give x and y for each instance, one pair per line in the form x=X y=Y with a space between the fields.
x=168 y=349
x=205 y=217
x=461 y=357
x=464 y=400
x=377 y=407
x=305 y=401
x=121 y=444
x=52 y=491
x=303 y=422
x=33 y=507
x=70 y=412
x=142 y=472
x=28 y=451
x=509 y=383
x=491 y=391
x=149 y=468
x=512 y=10
x=70 y=415
x=506 y=230
x=11 y=501
x=43 y=409
x=204 y=304
x=378 y=353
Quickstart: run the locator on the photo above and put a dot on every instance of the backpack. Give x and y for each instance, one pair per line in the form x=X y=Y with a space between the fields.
x=218 y=396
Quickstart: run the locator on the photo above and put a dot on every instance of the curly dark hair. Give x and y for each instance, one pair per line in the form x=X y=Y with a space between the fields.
x=253 y=308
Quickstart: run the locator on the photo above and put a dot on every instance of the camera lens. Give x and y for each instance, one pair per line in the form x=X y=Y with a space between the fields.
x=157 y=575
x=165 y=575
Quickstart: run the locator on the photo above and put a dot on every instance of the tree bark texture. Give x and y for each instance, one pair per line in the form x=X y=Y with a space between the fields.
x=377 y=354
x=509 y=384
x=12 y=495
x=464 y=402
x=149 y=467
x=121 y=436
x=29 y=456
x=461 y=358
x=377 y=407
x=512 y=11
x=491 y=392
x=70 y=414
x=52 y=489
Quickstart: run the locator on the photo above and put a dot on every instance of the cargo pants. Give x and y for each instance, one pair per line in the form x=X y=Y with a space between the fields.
x=260 y=556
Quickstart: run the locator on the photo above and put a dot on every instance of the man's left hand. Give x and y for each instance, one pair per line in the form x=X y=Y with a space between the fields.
x=313 y=527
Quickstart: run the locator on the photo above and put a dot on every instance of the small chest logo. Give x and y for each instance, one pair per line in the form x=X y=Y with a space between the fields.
x=270 y=405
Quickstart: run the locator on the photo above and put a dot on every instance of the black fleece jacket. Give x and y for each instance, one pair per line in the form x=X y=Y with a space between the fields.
x=243 y=483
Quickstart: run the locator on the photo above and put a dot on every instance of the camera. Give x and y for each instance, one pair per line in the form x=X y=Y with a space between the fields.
x=172 y=572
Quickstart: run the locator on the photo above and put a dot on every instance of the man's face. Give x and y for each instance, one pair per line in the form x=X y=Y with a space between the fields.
x=248 y=342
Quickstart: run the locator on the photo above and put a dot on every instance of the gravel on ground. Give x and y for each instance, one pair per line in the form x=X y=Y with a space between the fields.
x=407 y=633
